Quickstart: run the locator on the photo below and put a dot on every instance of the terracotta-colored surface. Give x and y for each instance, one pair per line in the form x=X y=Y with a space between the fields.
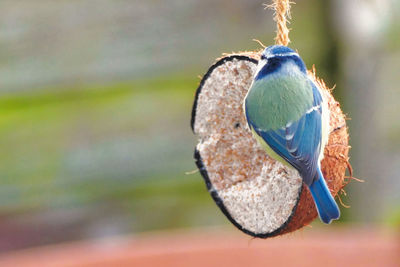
x=311 y=247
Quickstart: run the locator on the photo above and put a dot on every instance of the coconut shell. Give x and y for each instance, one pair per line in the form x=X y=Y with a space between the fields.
x=259 y=195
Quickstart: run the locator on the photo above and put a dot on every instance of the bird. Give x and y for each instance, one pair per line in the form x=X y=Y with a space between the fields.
x=288 y=115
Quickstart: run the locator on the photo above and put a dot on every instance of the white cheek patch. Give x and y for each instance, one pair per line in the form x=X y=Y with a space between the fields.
x=260 y=65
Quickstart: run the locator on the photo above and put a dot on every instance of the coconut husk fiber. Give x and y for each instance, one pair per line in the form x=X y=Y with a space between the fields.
x=259 y=195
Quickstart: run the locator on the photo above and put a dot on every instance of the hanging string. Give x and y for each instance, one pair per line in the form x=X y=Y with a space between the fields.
x=282 y=16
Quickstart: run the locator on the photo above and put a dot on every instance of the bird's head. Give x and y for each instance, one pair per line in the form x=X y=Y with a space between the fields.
x=275 y=57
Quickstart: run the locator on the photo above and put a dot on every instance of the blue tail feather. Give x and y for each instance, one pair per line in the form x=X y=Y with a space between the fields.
x=327 y=208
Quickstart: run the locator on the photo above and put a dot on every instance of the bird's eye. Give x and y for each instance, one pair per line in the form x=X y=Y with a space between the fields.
x=263 y=57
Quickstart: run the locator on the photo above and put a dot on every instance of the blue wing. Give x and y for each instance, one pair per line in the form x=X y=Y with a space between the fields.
x=299 y=142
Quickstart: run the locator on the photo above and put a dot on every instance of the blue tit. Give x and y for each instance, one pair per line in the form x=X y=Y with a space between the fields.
x=289 y=117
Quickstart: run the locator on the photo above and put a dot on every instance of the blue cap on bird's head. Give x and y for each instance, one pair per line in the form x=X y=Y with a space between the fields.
x=278 y=50
x=275 y=56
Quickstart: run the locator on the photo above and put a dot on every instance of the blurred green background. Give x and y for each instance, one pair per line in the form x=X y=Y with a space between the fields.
x=95 y=102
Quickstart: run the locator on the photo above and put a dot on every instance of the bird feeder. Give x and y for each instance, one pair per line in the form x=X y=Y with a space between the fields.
x=259 y=195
